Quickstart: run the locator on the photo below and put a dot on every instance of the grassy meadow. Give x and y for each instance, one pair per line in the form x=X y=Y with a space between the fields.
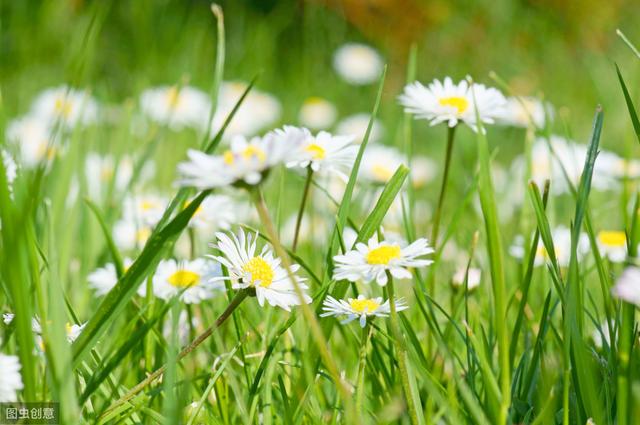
x=313 y=211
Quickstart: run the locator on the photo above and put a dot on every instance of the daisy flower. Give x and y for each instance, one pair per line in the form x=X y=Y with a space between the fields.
x=322 y=152
x=10 y=378
x=357 y=64
x=105 y=173
x=380 y=162
x=372 y=261
x=524 y=112
x=73 y=331
x=613 y=245
x=561 y=236
x=195 y=280
x=317 y=113
x=260 y=271
x=452 y=103
x=34 y=140
x=627 y=287
x=176 y=107
x=361 y=307
x=356 y=126
x=246 y=161
x=146 y=209
x=65 y=105
x=103 y=279
x=131 y=235
x=214 y=213
x=473 y=278
x=10 y=168
x=258 y=110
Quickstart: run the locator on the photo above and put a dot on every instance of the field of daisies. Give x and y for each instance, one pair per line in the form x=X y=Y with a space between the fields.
x=197 y=232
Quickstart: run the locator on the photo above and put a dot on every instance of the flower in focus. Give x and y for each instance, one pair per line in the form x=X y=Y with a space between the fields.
x=613 y=245
x=245 y=161
x=472 y=277
x=356 y=126
x=193 y=280
x=103 y=279
x=177 y=107
x=322 y=152
x=258 y=110
x=10 y=378
x=525 y=112
x=371 y=261
x=260 y=271
x=65 y=105
x=627 y=287
x=317 y=113
x=357 y=64
x=361 y=307
x=451 y=103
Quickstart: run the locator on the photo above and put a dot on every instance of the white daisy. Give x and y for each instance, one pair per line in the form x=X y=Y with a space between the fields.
x=356 y=126
x=183 y=328
x=195 y=280
x=371 y=261
x=130 y=235
x=10 y=378
x=561 y=236
x=105 y=173
x=103 y=279
x=177 y=107
x=10 y=168
x=597 y=335
x=361 y=307
x=216 y=212
x=145 y=209
x=524 y=112
x=65 y=105
x=7 y=318
x=262 y=272
x=451 y=103
x=613 y=245
x=258 y=110
x=322 y=152
x=627 y=287
x=34 y=140
x=245 y=161
x=73 y=331
x=473 y=278
x=380 y=162
x=317 y=113
x=358 y=64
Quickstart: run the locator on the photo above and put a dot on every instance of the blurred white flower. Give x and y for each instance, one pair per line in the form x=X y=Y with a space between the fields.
x=598 y=334
x=177 y=107
x=358 y=64
x=66 y=106
x=356 y=126
x=10 y=168
x=245 y=161
x=322 y=152
x=103 y=279
x=451 y=103
x=34 y=139
x=192 y=280
x=183 y=328
x=130 y=235
x=380 y=162
x=10 y=378
x=371 y=261
x=145 y=209
x=525 y=112
x=258 y=110
x=359 y=308
x=561 y=236
x=627 y=287
x=105 y=173
x=73 y=331
x=613 y=245
x=473 y=278
x=262 y=272
x=317 y=113
x=216 y=212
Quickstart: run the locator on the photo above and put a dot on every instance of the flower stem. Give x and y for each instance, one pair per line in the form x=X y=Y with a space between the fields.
x=412 y=397
x=303 y=203
x=311 y=320
x=235 y=302
x=364 y=345
x=443 y=188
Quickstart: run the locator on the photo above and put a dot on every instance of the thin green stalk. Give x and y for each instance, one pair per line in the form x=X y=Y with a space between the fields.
x=237 y=300
x=307 y=312
x=367 y=331
x=303 y=203
x=443 y=187
x=412 y=396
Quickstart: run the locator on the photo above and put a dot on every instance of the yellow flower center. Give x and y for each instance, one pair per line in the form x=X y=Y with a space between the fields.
x=173 y=97
x=364 y=305
x=228 y=158
x=147 y=205
x=382 y=172
x=458 y=102
x=260 y=271
x=62 y=107
x=143 y=234
x=612 y=238
x=383 y=254
x=184 y=279
x=317 y=152
x=254 y=152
